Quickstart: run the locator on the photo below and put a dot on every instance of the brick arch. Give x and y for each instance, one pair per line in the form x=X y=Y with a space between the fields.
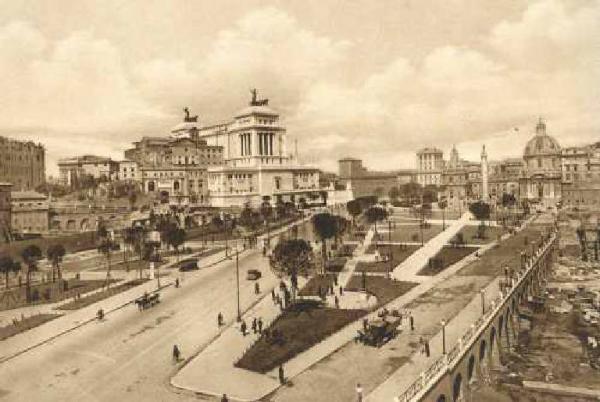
x=470 y=367
x=482 y=347
x=457 y=387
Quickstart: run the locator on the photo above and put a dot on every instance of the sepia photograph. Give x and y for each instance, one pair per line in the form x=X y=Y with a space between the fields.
x=300 y=200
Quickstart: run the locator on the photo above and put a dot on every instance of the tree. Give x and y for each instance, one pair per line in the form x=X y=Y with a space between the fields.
x=105 y=247
x=480 y=210
x=6 y=266
x=354 y=209
x=375 y=214
x=30 y=255
x=247 y=216
x=55 y=254
x=443 y=204
x=379 y=192
x=175 y=238
x=129 y=239
x=290 y=256
x=325 y=226
x=280 y=209
x=508 y=200
x=411 y=191
x=394 y=193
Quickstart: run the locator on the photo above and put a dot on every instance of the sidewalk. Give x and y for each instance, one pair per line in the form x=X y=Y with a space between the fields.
x=346 y=274
x=418 y=362
x=409 y=268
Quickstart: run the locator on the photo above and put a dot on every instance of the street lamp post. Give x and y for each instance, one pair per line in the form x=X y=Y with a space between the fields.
x=482 y=292
x=390 y=246
x=237 y=279
x=443 y=336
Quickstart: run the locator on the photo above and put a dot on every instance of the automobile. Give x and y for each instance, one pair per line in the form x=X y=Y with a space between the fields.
x=253 y=274
x=189 y=264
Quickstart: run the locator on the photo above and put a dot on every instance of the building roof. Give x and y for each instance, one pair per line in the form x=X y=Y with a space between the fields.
x=259 y=110
x=22 y=195
x=349 y=159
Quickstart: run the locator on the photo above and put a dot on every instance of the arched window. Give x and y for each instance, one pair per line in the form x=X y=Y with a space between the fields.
x=176 y=185
x=150 y=186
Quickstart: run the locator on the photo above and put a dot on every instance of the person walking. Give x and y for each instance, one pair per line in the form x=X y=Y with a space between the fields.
x=341 y=290
x=281 y=375
x=427 y=351
x=260 y=325
x=273 y=294
x=254 y=325
x=243 y=328
x=220 y=319
x=256 y=288
x=176 y=353
x=337 y=302
x=412 y=322
x=359 y=392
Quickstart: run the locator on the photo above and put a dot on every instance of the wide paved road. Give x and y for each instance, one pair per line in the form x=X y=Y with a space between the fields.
x=128 y=356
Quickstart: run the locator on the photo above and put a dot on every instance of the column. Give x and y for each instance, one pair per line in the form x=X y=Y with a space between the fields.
x=271 y=144
x=260 y=144
x=249 y=144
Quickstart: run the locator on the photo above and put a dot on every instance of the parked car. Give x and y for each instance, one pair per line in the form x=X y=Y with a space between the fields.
x=253 y=274
x=189 y=264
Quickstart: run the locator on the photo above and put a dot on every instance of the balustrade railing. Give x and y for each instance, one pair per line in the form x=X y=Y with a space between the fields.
x=446 y=362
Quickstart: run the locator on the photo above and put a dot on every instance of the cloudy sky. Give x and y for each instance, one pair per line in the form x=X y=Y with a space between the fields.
x=369 y=79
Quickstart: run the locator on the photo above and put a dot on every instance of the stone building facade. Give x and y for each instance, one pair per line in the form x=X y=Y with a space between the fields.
x=22 y=163
x=430 y=165
x=175 y=167
x=256 y=162
x=5 y=212
x=29 y=212
x=73 y=170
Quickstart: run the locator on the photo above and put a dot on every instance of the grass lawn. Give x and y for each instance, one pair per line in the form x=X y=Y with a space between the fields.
x=73 y=243
x=301 y=330
x=384 y=289
x=26 y=324
x=506 y=253
x=93 y=298
x=470 y=234
x=46 y=292
x=134 y=265
x=399 y=253
x=318 y=281
x=412 y=233
x=447 y=256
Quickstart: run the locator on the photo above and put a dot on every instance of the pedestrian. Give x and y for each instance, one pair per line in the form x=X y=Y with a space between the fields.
x=273 y=294
x=224 y=398
x=359 y=392
x=412 y=322
x=219 y=319
x=254 y=325
x=337 y=302
x=176 y=353
x=281 y=375
x=243 y=328
x=256 y=288
x=422 y=344
x=260 y=325
x=331 y=289
x=427 y=351
x=341 y=290
x=176 y=282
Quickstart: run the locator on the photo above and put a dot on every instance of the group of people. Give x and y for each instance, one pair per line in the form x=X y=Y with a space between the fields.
x=256 y=326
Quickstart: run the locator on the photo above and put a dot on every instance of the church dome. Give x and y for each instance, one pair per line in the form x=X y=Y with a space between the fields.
x=541 y=144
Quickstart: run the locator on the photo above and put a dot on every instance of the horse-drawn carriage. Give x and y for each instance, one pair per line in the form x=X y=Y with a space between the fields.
x=147 y=300
x=378 y=332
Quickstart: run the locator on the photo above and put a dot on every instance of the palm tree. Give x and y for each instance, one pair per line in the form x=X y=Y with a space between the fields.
x=55 y=254
x=30 y=255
